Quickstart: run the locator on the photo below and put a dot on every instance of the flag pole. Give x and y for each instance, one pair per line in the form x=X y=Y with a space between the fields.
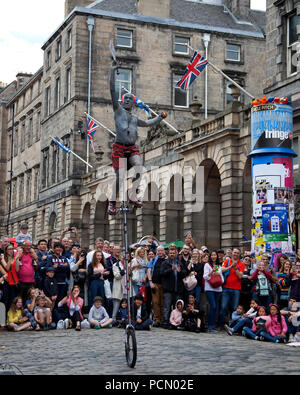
x=71 y=152
x=103 y=126
x=154 y=113
x=225 y=75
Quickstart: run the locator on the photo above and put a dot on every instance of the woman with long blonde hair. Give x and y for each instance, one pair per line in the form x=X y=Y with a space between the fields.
x=139 y=269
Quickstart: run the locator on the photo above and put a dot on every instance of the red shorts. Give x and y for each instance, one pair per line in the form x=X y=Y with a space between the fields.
x=120 y=151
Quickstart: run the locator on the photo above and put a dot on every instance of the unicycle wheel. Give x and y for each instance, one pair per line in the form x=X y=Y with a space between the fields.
x=130 y=347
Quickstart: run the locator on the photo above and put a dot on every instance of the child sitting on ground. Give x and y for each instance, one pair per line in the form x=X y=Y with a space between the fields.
x=277 y=330
x=260 y=323
x=98 y=317
x=122 y=317
x=42 y=314
x=140 y=315
x=191 y=316
x=236 y=316
x=176 y=315
x=244 y=321
x=16 y=321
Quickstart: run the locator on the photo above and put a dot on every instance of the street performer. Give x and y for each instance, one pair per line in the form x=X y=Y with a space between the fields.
x=126 y=125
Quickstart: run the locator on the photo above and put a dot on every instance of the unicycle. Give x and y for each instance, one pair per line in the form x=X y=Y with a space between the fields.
x=130 y=339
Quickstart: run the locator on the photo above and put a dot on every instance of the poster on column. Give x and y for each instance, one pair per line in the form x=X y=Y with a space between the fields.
x=275 y=222
x=272 y=126
x=266 y=177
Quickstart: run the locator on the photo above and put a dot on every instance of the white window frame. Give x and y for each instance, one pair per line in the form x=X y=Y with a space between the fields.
x=126 y=83
x=187 y=49
x=176 y=78
x=291 y=48
x=119 y=29
x=231 y=50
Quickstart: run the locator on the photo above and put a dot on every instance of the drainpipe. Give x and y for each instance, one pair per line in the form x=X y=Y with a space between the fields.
x=11 y=166
x=90 y=23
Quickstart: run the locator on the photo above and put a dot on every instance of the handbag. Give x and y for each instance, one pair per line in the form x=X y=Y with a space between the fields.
x=107 y=289
x=190 y=282
x=143 y=292
x=215 y=281
x=135 y=276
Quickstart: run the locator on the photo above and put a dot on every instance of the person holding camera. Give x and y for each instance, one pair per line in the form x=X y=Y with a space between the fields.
x=78 y=269
x=28 y=265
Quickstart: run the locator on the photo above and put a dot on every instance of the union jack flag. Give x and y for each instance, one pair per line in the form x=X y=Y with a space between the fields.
x=92 y=126
x=194 y=68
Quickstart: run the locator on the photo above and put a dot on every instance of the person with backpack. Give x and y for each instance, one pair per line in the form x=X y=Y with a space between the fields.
x=232 y=270
x=262 y=289
x=154 y=277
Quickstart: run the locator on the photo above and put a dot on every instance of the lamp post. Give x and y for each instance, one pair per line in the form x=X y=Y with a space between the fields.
x=206 y=41
x=90 y=23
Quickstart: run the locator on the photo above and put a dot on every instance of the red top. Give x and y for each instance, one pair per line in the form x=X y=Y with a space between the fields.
x=12 y=278
x=232 y=280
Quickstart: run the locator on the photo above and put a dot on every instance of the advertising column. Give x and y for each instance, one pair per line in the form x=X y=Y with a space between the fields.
x=273 y=219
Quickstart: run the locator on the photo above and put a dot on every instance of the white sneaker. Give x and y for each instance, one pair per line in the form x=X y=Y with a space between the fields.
x=291 y=339
x=60 y=324
x=66 y=323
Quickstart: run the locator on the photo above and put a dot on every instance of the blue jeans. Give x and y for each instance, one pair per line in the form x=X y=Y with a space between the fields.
x=136 y=288
x=249 y=333
x=230 y=297
x=143 y=325
x=96 y=289
x=269 y=337
x=242 y=323
x=196 y=292
x=262 y=300
x=213 y=300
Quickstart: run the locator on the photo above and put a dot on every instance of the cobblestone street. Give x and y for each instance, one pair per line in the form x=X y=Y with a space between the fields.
x=160 y=352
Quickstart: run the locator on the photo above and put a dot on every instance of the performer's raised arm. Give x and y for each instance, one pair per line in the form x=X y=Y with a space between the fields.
x=151 y=122
x=112 y=82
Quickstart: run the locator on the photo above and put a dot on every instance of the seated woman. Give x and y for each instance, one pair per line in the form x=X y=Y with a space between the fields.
x=74 y=304
x=16 y=321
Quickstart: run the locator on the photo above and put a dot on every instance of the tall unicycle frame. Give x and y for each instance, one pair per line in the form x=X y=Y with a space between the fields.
x=130 y=338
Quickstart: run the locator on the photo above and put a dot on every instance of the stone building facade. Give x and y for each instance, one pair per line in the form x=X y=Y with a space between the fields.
x=150 y=38
x=23 y=155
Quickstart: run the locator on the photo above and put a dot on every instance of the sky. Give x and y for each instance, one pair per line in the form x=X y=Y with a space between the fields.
x=24 y=28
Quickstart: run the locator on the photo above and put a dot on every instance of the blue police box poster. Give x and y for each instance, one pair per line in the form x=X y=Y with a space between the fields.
x=275 y=222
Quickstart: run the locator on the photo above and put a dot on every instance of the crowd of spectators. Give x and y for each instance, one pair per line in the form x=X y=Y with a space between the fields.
x=56 y=284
